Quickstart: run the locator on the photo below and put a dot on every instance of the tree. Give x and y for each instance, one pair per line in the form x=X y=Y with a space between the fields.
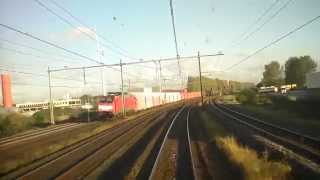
x=296 y=69
x=272 y=74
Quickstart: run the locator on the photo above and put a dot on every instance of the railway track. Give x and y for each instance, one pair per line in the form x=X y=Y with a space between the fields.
x=174 y=158
x=63 y=163
x=45 y=131
x=90 y=163
x=199 y=148
x=305 y=146
x=36 y=133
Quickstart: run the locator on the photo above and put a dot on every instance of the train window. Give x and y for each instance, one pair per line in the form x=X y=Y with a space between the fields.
x=106 y=99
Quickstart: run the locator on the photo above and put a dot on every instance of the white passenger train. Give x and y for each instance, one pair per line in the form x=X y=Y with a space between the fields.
x=268 y=89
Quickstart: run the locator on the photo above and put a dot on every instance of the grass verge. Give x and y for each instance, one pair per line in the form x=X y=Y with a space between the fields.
x=283 y=118
x=254 y=167
x=248 y=160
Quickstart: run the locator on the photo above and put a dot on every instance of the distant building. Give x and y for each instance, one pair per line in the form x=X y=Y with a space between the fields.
x=6 y=90
x=313 y=80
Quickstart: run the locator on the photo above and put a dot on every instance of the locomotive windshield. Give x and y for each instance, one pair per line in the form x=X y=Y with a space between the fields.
x=106 y=99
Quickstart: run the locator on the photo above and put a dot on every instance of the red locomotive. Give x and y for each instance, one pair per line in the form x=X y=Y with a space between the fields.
x=112 y=103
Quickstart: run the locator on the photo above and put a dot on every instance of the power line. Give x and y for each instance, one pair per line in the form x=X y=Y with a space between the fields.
x=72 y=25
x=274 y=42
x=30 y=54
x=268 y=20
x=175 y=35
x=22 y=72
x=24 y=84
x=25 y=66
x=33 y=48
x=63 y=19
x=259 y=18
x=41 y=75
x=45 y=86
x=84 y=24
x=186 y=58
x=49 y=43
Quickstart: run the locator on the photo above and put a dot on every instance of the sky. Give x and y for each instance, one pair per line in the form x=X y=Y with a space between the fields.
x=142 y=29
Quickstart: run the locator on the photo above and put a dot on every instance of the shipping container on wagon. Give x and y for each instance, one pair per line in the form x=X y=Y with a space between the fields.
x=190 y=95
x=151 y=99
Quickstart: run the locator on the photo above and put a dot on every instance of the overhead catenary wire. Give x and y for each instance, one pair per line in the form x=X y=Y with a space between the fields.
x=90 y=36
x=43 y=58
x=33 y=55
x=44 y=85
x=63 y=19
x=25 y=66
x=186 y=58
x=36 y=49
x=49 y=43
x=274 y=42
x=39 y=75
x=85 y=25
x=285 y=5
x=69 y=23
x=257 y=21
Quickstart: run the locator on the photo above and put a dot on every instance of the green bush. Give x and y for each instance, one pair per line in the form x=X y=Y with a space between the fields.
x=5 y=127
x=12 y=122
x=39 y=119
x=247 y=96
x=83 y=115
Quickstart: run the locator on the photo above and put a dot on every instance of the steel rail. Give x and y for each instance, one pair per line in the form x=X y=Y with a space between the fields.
x=31 y=132
x=108 y=150
x=32 y=135
x=307 y=151
x=19 y=172
x=118 y=130
x=307 y=140
x=195 y=174
x=154 y=167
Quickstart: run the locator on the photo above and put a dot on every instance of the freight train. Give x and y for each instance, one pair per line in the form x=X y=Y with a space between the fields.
x=112 y=103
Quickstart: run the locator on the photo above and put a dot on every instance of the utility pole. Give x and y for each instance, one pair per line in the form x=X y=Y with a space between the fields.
x=84 y=89
x=102 y=81
x=51 y=102
x=160 y=76
x=165 y=92
x=129 y=85
x=176 y=42
x=84 y=77
x=156 y=65
x=99 y=54
x=122 y=94
x=200 y=77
